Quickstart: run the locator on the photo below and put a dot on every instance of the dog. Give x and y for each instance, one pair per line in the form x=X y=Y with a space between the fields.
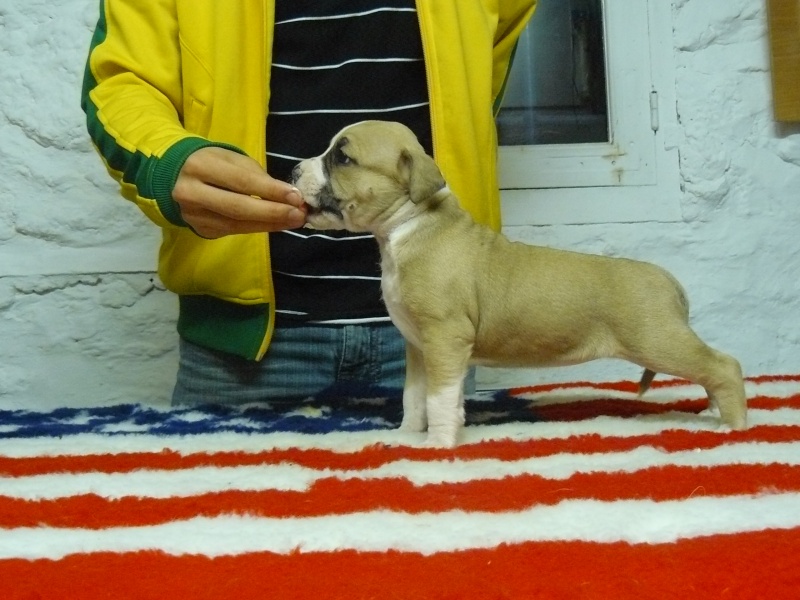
x=463 y=294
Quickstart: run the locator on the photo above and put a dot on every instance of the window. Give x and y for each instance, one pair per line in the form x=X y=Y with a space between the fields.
x=583 y=125
x=557 y=91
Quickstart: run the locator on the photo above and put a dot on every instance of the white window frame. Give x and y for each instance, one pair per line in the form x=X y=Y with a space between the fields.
x=634 y=177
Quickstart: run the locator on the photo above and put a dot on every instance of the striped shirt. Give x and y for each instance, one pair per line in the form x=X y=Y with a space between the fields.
x=337 y=62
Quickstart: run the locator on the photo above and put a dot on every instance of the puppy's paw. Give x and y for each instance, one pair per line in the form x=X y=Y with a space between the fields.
x=441 y=438
x=413 y=424
x=709 y=413
x=735 y=422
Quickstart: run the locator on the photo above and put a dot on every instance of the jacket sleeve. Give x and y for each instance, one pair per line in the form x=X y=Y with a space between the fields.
x=133 y=100
x=513 y=16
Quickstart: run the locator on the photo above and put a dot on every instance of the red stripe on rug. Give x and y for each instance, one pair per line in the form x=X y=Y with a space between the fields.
x=584 y=410
x=746 y=565
x=772 y=403
x=336 y=497
x=633 y=386
x=375 y=456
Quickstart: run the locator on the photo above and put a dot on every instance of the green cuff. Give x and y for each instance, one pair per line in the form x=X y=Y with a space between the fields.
x=166 y=171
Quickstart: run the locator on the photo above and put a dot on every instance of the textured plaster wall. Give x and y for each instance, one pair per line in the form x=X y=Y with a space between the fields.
x=83 y=320
x=82 y=317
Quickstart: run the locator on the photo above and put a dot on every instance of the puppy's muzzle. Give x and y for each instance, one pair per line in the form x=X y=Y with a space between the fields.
x=323 y=201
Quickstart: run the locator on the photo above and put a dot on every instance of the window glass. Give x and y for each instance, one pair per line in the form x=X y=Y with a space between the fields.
x=557 y=93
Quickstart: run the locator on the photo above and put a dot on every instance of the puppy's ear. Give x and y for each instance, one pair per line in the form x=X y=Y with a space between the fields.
x=421 y=174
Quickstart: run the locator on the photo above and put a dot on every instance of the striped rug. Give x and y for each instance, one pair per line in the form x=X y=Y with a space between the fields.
x=569 y=491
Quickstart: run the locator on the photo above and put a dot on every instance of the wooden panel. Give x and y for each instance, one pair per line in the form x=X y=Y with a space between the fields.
x=784 y=26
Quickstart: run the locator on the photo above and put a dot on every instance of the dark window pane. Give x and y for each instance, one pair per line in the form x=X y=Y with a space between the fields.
x=556 y=92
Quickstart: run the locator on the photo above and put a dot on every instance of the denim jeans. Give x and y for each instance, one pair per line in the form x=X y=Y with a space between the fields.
x=300 y=362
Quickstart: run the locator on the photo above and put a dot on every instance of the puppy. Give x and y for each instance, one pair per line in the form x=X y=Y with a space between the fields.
x=462 y=294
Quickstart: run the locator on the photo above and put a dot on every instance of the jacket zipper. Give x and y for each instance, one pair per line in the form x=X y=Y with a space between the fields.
x=425 y=36
x=268 y=16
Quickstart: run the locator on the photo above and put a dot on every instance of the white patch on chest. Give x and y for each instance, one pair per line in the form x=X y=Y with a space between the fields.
x=390 y=284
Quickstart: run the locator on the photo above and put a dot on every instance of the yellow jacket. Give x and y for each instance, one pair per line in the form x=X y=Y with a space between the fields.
x=166 y=78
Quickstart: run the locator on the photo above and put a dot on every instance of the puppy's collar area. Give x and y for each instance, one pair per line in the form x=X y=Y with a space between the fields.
x=441 y=194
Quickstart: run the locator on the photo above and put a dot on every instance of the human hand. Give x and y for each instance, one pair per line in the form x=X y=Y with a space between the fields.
x=222 y=192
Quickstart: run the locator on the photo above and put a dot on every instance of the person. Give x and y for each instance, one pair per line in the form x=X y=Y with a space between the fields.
x=201 y=108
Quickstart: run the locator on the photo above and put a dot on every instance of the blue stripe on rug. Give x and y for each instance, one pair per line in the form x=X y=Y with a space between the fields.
x=358 y=409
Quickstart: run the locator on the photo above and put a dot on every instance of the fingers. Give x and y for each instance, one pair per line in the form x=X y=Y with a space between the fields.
x=235 y=172
x=221 y=192
x=215 y=213
x=195 y=196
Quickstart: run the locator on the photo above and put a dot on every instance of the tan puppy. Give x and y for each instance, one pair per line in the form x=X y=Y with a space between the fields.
x=461 y=293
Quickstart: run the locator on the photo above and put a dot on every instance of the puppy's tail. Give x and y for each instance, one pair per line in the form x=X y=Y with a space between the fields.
x=645 y=381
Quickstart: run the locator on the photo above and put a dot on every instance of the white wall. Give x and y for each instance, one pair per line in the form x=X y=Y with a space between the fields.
x=82 y=318
x=84 y=321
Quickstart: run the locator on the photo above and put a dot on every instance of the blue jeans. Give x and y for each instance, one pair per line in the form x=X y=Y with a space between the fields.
x=300 y=362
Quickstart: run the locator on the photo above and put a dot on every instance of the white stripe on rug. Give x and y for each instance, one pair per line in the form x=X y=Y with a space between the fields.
x=146 y=483
x=632 y=521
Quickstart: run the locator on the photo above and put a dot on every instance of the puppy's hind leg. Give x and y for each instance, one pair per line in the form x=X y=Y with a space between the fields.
x=683 y=354
x=415 y=417
x=725 y=389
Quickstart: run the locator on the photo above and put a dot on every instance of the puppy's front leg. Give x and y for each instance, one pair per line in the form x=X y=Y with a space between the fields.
x=446 y=364
x=415 y=417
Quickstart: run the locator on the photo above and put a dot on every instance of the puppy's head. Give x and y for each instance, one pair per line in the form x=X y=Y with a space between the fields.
x=369 y=171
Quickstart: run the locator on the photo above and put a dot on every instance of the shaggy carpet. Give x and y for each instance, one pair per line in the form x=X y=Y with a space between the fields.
x=571 y=491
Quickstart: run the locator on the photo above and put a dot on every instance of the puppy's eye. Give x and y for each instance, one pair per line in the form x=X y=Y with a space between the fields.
x=339 y=156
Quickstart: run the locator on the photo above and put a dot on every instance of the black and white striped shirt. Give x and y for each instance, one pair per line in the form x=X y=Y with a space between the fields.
x=337 y=62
